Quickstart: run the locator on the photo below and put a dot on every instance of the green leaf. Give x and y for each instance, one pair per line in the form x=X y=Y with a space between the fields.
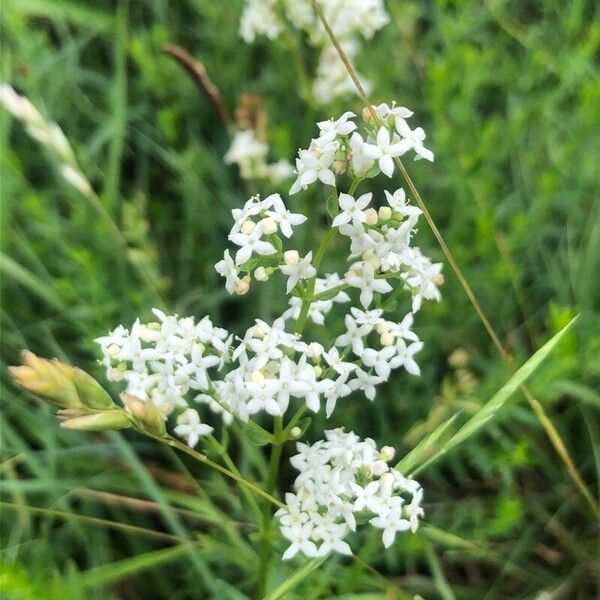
x=425 y=447
x=295 y=579
x=333 y=208
x=257 y=434
x=106 y=574
x=493 y=407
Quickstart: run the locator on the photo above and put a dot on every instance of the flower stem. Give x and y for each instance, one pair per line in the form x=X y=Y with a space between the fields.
x=266 y=537
x=175 y=443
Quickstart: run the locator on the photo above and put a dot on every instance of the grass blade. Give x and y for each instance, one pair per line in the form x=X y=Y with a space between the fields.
x=491 y=409
x=295 y=579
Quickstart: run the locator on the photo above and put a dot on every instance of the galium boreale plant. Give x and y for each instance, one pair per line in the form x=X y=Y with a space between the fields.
x=178 y=373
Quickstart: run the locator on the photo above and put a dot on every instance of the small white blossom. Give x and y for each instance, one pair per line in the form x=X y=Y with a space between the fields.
x=190 y=427
x=295 y=272
x=386 y=149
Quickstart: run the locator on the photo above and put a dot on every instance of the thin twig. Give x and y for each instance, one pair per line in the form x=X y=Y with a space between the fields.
x=197 y=71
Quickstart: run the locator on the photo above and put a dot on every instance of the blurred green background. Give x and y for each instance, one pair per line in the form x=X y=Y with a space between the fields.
x=509 y=94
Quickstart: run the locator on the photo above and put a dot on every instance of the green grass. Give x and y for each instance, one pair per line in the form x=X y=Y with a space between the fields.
x=509 y=93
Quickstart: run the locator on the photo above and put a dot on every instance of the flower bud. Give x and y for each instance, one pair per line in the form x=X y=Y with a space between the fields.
x=247 y=227
x=291 y=257
x=145 y=413
x=314 y=350
x=385 y=213
x=367 y=115
x=45 y=379
x=99 y=421
x=382 y=328
x=438 y=279
x=379 y=468
x=242 y=286
x=387 y=339
x=268 y=225
x=318 y=371
x=459 y=358
x=295 y=432
x=371 y=216
x=257 y=377
x=370 y=257
x=340 y=162
x=260 y=274
x=113 y=350
x=90 y=392
x=387 y=453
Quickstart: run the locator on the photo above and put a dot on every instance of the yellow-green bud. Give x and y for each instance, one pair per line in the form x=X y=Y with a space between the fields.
x=385 y=213
x=99 y=421
x=90 y=392
x=45 y=379
x=145 y=414
x=260 y=274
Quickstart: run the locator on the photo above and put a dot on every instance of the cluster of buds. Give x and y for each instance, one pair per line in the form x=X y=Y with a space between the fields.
x=82 y=402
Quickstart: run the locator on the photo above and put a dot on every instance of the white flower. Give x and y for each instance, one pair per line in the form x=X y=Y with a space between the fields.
x=190 y=427
x=404 y=356
x=260 y=17
x=295 y=272
x=391 y=522
x=336 y=362
x=386 y=149
x=415 y=139
x=301 y=538
x=352 y=209
x=365 y=382
x=226 y=268
x=312 y=165
x=366 y=497
x=283 y=217
x=397 y=202
x=249 y=244
x=379 y=360
x=368 y=283
x=342 y=126
x=245 y=147
x=354 y=335
x=361 y=162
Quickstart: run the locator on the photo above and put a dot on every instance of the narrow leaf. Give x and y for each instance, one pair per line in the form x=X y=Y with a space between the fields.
x=295 y=579
x=493 y=407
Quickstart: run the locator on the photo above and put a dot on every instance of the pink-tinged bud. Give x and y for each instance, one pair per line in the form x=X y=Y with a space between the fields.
x=242 y=286
x=99 y=421
x=438 y=279
x=145 y=414
x=371 y=216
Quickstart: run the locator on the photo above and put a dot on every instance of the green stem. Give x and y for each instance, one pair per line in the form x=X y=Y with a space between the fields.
x=175 y=443
x=310 y=287
x=231 y=466
x=267 y=517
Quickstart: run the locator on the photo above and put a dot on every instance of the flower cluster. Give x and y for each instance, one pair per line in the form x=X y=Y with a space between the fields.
x=345 y=481
x=48 y=134
x=254 y=231
x=340 y=147
x=350 y=20
x=164 y=360
x=178 y=363
x=250 y=154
